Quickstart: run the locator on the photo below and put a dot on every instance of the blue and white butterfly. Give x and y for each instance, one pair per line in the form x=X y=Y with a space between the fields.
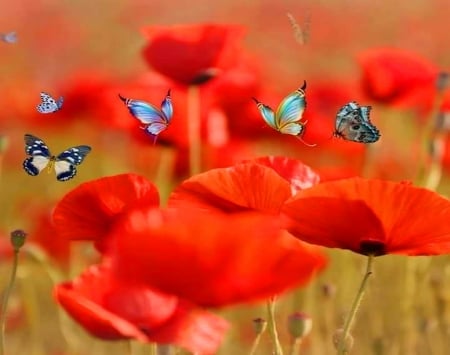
x=41 y=158
x=155 y=120
x=353 y=124
x=49 y=104
x=287 y=118
x=10 y=37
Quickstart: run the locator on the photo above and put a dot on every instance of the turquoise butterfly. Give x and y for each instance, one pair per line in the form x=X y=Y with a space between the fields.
x=287 y=118
x=353 y=124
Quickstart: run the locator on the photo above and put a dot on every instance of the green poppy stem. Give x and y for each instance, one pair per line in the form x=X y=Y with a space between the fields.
x=273 y=328
x=194 y=126
x=6 y=296
x=355 y=306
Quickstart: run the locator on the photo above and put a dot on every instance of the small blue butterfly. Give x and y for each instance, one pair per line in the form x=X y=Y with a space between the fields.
x=287 y=118
x=154 y=120
x=353 y=124
x=41 y=158
x=10 y=37
x=49 y=104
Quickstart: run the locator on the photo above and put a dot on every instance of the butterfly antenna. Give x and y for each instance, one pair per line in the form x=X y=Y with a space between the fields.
x=256 y=100
x=305 y=143
x=124 y=99
x=304 y=85
x=168 y=92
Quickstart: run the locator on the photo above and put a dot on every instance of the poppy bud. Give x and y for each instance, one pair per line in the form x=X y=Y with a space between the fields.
x=18 y=239
x=348 y=342
x=299 y=324
x=259 y=325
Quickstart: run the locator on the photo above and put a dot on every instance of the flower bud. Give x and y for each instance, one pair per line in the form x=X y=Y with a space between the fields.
x=259 y=325
x=18 y=239
x=299 y=324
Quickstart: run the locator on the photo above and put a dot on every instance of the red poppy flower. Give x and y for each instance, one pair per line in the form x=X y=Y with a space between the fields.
x=191 y=54
x=220 y=259
x=398 y=77
x=45 y=235
x=371 y=217
x=245 y=186
x=87 y=212
x=111 y=310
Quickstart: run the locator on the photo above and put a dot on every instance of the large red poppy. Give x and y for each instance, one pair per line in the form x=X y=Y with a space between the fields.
x=263 y=184
x=191 y=54
x=398 y=77
x=211 y=259
x=87 y=212
x=371 y=217
x=111 y=310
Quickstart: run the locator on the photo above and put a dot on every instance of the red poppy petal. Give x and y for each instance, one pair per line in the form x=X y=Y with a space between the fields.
x=299 y=175
x=185 y=53
x=211 y=259
x=242 y=187
x=352 y=213
x=86 y=212
x=112 y=310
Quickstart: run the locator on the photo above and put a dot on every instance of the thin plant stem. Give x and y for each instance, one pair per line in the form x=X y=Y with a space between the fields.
x=273 y=328
x=153 y=349
x=193 y=118
x=6 y=296
x=295 y=346
x=255 y=344
x=355 y=306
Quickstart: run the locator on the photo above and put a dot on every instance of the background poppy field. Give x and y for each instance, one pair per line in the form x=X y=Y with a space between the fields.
x=374 y=52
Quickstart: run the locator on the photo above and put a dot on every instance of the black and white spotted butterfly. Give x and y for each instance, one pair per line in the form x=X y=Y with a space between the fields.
x=353 y=124
x=49 y=104
x=41 y=158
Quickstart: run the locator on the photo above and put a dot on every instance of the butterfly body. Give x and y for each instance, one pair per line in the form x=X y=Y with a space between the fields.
x=40 y=158
x=287 y=118
x=49 y=104
x=353 y=124
x=10 y=37
x=154 y=120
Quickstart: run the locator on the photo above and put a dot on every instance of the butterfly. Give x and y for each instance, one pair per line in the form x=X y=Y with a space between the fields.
x=10 y=37
x=155 y=120
x=40 y=158
x=353 y=124
x=49 y=104
x=301 y=35
x=289 y=113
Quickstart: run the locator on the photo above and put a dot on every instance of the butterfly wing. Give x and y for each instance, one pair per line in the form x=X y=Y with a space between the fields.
x=167 y=108
x=66 y=161
x=60 y=102
x=145 y=112
x=10 y=37
x=48 y=104
x=39 y=155
x=267 y=114
x=353 y=124
x=291 y=110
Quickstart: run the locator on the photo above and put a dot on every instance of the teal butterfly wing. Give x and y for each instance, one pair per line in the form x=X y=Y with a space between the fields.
x=267 y=114
x=290 y=112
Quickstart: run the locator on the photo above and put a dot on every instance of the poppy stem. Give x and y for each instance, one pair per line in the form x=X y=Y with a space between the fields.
x=193 y=118
x=437 y=144
x=6 y=296
x=295 y=348
x=272 y=327
x=342 y=349
x=255 y=344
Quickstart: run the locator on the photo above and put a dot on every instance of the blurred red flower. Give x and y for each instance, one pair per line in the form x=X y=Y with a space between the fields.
x=112 y=310
x=88 y=211
x=371 y=217
x=44 y=234
x=220 y=259
x=263 y=184
x=398 y=77
x=191 y=54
